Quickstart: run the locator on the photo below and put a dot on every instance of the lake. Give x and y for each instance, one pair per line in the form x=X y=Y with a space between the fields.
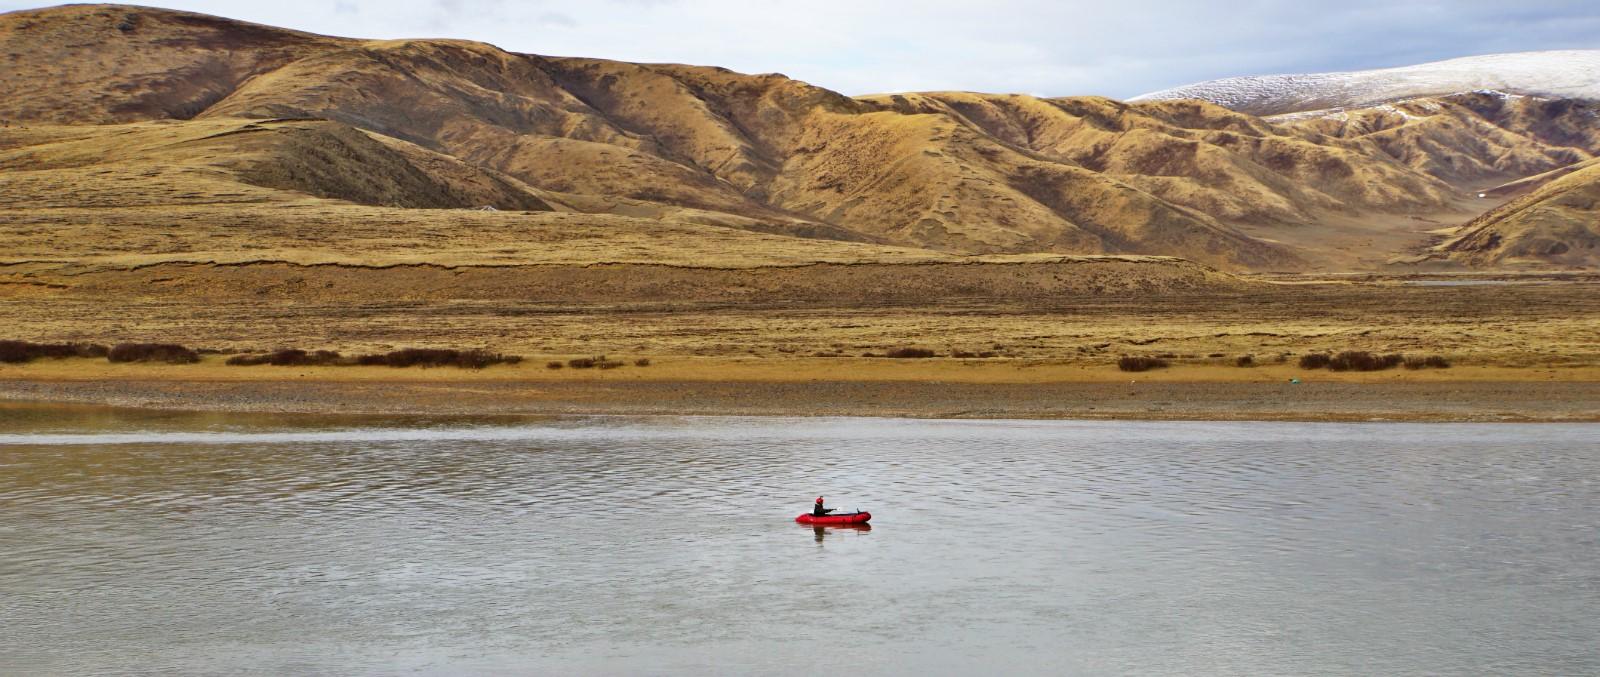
x=167 y=543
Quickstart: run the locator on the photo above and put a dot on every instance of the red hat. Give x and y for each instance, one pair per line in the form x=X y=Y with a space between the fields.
x=819 y=499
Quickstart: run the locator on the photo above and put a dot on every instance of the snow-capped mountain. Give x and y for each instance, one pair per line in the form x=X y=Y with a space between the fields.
x=1553 y=74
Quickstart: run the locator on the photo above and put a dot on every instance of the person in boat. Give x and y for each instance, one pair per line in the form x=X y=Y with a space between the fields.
x=819 y=511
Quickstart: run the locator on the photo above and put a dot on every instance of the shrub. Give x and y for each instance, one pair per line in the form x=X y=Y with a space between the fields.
x=1315 y=361
x=436 y=357
x=18 y=352
x=15 y=352
x=642 y=362
x=596 y=362
x=910 y=353
x=1135 y=363
x=170 y=353
x=581 y=363
x=291 y=357
x=288 y=358
x=478 y=359
x=1431 y=361
x=1245 y=361
x=553 y=365
x=427 y=357
x=1361 y=360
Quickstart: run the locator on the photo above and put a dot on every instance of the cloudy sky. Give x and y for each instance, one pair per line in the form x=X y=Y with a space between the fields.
x=1112 y=47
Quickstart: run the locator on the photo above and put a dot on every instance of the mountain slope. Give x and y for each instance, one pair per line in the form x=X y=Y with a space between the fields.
x=775 y=154
x=195 y=162
x=1469 y=139
x=1572 y=74
x=452 y=123
x=1234 y=167
x=1558 y=222
x=110 y=63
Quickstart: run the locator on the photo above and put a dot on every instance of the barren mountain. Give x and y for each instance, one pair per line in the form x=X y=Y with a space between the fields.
x=133 y=106
x=1495 y=146
x=1469 y=139
x=1557 y=222
x=1234 y=167
x=1560 y=74
x=204 y=162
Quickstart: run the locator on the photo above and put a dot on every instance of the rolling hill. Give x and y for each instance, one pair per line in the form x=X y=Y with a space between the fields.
x=122 y=106
x=1556 y=222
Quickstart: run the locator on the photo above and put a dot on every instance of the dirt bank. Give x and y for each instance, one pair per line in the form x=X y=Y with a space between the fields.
x=925 y=390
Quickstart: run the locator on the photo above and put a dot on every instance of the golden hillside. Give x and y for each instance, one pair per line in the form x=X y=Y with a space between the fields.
x=1557 y=222
x=1472 y=140
x=126 y=106
x=217 y=209
x=204 y=162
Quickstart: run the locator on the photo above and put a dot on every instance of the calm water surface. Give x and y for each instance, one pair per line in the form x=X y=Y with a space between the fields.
x=185 y=543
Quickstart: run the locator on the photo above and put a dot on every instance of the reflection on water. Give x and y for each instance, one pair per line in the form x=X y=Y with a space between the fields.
x=821 y=531
x=293 y=545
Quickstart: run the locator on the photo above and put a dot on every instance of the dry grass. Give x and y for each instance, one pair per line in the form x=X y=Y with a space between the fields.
x=1525 y=326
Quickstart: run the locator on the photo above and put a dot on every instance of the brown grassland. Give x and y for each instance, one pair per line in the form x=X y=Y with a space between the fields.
x=754 y=244
x=1529 y=350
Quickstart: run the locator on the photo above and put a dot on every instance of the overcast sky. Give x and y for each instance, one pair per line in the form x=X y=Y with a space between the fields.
x=1112 y=47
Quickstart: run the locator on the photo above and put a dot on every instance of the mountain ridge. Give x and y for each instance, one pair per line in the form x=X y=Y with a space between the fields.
x=1549 y=74
x=958 y=172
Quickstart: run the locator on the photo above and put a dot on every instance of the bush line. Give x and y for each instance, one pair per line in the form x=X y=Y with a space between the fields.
x=1361 y=360
x=1138 y=363
x=405 y=357
x=20 y=352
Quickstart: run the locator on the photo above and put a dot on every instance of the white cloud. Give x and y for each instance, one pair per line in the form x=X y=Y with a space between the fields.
x=861 y=46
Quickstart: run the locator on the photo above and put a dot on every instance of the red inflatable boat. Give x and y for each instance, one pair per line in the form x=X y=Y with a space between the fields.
x=841 y=518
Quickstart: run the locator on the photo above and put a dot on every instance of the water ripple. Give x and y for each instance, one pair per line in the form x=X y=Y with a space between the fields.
x=666 y=545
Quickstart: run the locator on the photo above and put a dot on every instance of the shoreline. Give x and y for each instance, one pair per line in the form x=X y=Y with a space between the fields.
x=870 y=388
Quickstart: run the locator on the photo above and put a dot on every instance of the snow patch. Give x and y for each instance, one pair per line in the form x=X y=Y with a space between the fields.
x=1567 y=74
